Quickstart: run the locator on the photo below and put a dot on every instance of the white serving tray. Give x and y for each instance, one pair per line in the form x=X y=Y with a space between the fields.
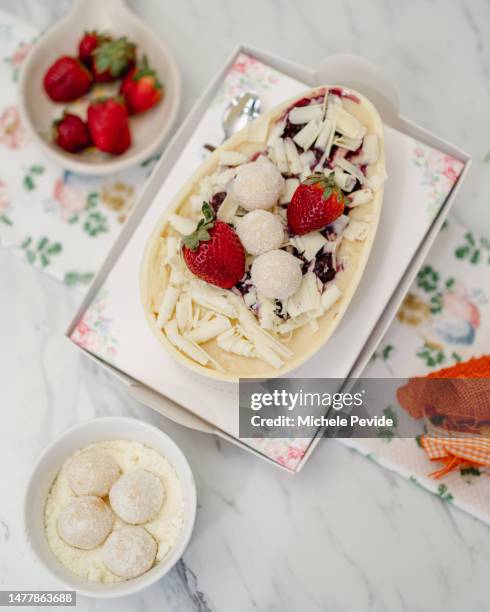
x=399 y=249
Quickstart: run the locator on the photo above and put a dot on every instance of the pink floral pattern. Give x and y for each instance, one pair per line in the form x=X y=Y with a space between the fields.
x=459 y=319
x=285 y=451
x=17 y=58
x=70 y=199
x=4 y=197
x=246 y=74
x=439 y=173
x=457 y=304
x=12 y=132
x=93 y=332
x=443 y=311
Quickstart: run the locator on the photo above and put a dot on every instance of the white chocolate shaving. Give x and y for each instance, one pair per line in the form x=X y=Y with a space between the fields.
x=326 y=130
x=209 y=330
x=251 y=329
x=167 y=306
x=309 y=244
x=183 y=225
x=232 y=342
x=345 y=123
x=280 y=157
x=345 y=181
x=275 y=132
x=196 y=203
x=304 y=114
x=307 y=158
x=184 y=344
x=206 y=188
x=360 y=197
x=306 y=298
x=176 y=276
x=172 y=247
x=331 y=294
x=266 y=353
x=266 y=313
x=356 y=230
x=291 y=184
x=215 y=303
x=294 y=163
x=227 y=210
x=328 y=149
x=370 y=149
x=307 y=135
x=339 y=225
x=351 y=144
x=351 y=169
x=220 y=179
x=250 y=298
x=257 y=129
x=232 y=158
x=183 y=312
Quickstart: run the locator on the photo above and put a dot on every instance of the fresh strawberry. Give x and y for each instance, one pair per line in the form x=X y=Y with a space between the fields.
x=317 y=202
x=67 y=79
x=71 y=133
x=141 y=88
x=214 y=252
x=88 y=43
x=113 y=59
x=109 y=126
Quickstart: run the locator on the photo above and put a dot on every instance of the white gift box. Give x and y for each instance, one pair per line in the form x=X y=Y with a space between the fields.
x=406 y=231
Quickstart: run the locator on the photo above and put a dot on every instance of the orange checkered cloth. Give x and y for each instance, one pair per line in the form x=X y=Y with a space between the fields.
x=458 y=400
x=456 y=452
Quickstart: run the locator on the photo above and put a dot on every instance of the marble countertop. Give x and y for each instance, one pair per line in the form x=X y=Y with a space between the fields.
x=344 y=534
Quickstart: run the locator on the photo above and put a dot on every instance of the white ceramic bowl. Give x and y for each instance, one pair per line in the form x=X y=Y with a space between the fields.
x=38 y=112
x=48 y=466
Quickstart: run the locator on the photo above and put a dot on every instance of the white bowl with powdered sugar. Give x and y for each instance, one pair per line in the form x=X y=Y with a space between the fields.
x=135 y=447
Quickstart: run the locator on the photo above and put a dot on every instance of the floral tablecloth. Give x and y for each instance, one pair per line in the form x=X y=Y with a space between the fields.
x=59 y=222
x=444 y=319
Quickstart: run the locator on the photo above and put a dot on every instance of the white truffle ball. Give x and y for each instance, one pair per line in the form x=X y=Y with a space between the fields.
x=85 y=523
x=129 y=551
x=260 y=231
x=257 y=184
x=137 y=497
x=277 y=274
x=92 y=472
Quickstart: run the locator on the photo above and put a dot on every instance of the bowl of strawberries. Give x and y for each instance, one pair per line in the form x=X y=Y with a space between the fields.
x=99 y=98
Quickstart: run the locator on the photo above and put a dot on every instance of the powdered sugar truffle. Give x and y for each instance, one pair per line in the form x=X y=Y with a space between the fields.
x=85 y=523
x=258 y=184
x=129 y=551
x=260 y=231
x=276 y=274
x=137 y=497
x=92 y=472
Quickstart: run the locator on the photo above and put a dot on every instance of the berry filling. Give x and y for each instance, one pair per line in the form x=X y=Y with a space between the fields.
x=290 y=130
x=344 y=93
